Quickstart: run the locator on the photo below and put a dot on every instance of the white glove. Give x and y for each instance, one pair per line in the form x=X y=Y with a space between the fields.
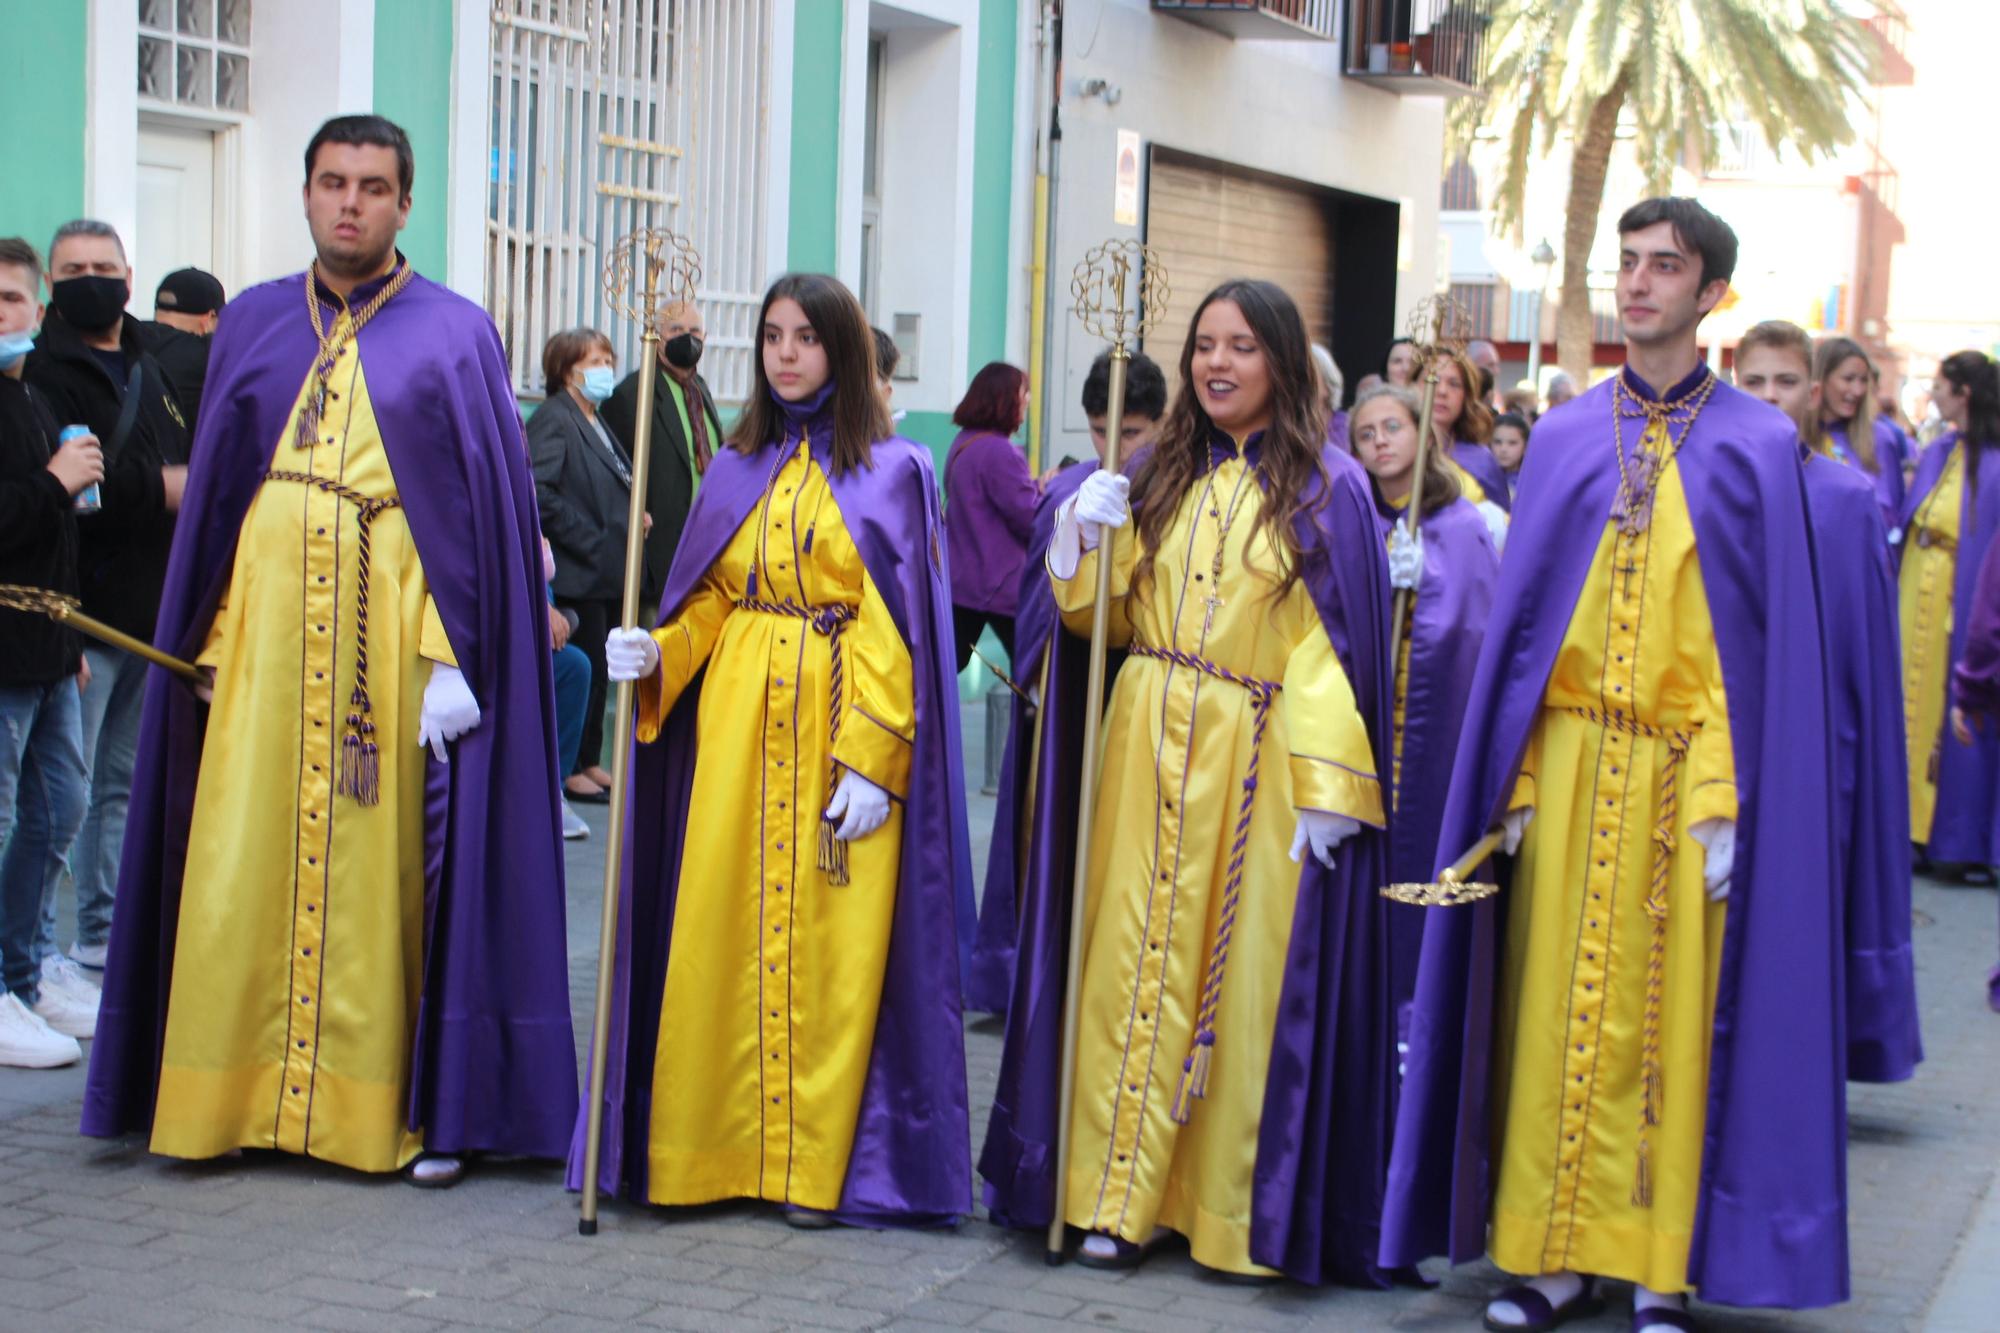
x=1098 y=504
x=858 y=805
x=548 y=561
x=1895 y=536
x=630 y=654
x=449 y=710
x=1719 y=837
x=1513 y=825
x=1406 y=555
x=1496 y=522
x=1323 y=833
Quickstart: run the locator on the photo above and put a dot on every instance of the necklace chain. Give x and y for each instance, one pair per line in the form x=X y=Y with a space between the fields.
x=330 y=344
x=1634 y=510
x=1226 y=519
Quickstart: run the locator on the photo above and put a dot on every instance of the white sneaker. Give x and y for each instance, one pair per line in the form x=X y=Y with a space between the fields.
x=92 y=956
x=69 y=1002
x=26 y=1042
x=573 y=825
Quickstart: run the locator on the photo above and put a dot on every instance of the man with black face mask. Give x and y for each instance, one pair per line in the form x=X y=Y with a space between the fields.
x=91 y=366
x=686 y=431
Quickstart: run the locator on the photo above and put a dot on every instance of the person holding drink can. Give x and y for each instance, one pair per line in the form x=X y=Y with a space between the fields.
x=42 y=781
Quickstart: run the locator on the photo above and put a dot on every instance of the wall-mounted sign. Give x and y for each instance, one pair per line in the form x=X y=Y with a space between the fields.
x=1125 y=190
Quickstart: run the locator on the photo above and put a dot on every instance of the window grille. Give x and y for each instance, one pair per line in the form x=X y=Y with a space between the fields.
x=608 y=115
x=195 y=53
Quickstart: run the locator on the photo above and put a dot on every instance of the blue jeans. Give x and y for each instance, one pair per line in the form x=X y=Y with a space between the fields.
x=111 y=708
x=572 y=670
x=41 y=804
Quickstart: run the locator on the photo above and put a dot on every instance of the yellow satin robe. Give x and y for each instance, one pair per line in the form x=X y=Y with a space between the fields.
x=1924 y=596
x=298 y=957
x=775 y=976
x=1176 y=750
x=1567 y=1072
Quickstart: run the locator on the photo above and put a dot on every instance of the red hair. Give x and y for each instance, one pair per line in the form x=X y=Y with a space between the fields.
x=993 y=401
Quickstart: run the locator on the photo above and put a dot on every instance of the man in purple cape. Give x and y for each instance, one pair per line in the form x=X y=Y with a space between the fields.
x=1965 y=829
x=1769 y=1225
x=492 y=1060
x=909 y=1165
x=1323 y=1136
x=1871 y=799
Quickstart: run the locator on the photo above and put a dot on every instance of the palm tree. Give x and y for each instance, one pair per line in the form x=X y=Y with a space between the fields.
x=1682 y=69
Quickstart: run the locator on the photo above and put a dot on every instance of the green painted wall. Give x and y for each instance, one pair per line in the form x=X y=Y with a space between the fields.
x=992 y=181
x=815 y=185
x=413 y=88
x=42 y=102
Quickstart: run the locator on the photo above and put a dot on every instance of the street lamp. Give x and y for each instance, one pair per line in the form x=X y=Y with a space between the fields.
x=1543 y=258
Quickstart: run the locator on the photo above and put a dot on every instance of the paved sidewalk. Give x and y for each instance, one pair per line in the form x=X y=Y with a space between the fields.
x=104 y=1236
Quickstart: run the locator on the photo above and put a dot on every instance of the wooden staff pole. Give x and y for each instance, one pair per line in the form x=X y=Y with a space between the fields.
x=621 y=752
x=1093 y=708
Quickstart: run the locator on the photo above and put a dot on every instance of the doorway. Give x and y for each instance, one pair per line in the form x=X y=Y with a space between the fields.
x=177 y=208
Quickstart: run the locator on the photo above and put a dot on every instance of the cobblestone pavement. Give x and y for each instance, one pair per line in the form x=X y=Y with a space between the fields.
x=104 y=1236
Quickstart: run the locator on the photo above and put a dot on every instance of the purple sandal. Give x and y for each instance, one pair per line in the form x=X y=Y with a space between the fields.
x=1541 y=1315
x=1663 y=1316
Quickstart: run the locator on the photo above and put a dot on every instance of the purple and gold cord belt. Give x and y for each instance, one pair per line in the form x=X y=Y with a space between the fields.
x=827 y=620
x=1194 y=1069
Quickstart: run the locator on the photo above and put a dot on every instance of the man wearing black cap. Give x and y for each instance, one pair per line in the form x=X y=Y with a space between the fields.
x=185 y=310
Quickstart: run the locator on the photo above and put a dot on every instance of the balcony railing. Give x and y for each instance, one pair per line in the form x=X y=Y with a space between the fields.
x=1425 y=48
x=1264 y=20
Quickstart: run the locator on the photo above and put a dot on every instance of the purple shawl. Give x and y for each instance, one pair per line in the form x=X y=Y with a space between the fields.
x=1887 y=479
x=909 y=1164
x=1460 y=571
x=494 y=1063
x=1966 y=825
x=1036 y=626
x=1771 y=1224
x=1323 y=1139
x=1478 y=460
x=1871 y=801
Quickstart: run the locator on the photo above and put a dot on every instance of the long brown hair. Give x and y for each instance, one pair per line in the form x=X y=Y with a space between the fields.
x=1832 y=354
x=859 y=415
x=1440 y=481
x=1288 y=456
x=1475 y=419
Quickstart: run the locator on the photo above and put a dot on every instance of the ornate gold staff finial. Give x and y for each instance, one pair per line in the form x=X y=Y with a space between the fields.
x=644 y=266
x=67 y=610
x=1452 y=888
x=1120 y=288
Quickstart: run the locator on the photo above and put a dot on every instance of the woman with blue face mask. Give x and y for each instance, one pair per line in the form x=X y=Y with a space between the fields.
x=583 y=483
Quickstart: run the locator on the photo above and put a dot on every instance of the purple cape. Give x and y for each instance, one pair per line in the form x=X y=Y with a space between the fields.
x=910 y=1164
x=1478 y=460
x=1036 y=623
x=1771 y=1224
x=494 y=1064
x=1966 y=825
x=1887 y=479
x=1323 y=1140
x=1975 y=677
x=1871 y=801
x=1460 y=571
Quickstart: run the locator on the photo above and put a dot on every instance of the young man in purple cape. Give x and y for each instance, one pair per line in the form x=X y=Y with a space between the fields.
x=340 y=925
x=1950 y=521
x=1630 y=1063
x=1851 y=559
x=787 y=1026
x=1057 y=681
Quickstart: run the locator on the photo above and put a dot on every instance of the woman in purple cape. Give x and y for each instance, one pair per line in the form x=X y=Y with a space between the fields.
x=786 y=1020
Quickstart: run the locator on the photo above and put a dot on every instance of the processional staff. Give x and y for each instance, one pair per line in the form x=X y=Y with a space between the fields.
x=1120 y=290
x=63 y=609
x=646 y=264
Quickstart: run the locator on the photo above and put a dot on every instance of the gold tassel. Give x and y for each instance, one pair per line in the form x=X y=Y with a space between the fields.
x=1642 y=1184
x=832 y=854
x=1649 y=1088
x=1194 y=1079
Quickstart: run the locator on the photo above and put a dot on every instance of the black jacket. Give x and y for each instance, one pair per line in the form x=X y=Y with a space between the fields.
x=122 y=554
x=670 y=475
x=584 y=493
x=37 y=540
x=184 y=356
